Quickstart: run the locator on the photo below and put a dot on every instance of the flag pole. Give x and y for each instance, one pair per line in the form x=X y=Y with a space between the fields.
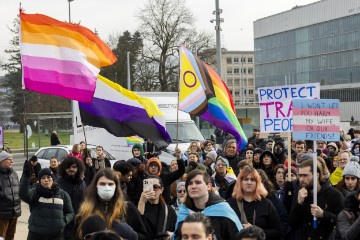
x=315 y=181
x=178 y=99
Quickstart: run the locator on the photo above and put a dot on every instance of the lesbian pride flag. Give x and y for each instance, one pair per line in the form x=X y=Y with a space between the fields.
x=204 y=94
x=61 y=59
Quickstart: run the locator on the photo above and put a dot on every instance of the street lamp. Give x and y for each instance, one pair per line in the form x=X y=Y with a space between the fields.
x=69 y=10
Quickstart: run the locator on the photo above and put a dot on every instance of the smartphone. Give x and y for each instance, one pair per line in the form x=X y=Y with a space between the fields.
x=148 y=184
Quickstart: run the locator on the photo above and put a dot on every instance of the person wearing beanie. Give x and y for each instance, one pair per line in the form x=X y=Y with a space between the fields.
x=209 y=162
x=177 y=201
x=231 y=154
x=256 y=157
x=138 y=152
x=336 y=176
x=50 y=206
x=350 y=182
x=279 y=152
x=10 y=203
x=268 y=163
x=134 y=187
x=224 y=178
x=154 y=167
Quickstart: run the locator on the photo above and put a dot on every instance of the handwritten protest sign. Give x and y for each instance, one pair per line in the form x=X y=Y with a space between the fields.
x=276 y=105
x=317 y=119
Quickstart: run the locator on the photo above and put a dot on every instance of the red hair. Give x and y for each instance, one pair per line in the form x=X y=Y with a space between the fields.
x=260 y=191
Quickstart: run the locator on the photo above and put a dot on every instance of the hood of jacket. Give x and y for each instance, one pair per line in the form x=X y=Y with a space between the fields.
x=138 y=146
x=154 y=160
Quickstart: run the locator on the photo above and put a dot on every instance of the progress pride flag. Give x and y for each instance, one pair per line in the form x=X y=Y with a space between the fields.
x=276 y=105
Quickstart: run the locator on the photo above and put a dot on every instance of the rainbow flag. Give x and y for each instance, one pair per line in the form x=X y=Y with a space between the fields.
x=61 y=59
x=133 y=139
x=204 y=94
x=123 y=113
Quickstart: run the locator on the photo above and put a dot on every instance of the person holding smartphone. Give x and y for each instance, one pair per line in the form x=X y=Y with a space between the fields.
x=158 y=218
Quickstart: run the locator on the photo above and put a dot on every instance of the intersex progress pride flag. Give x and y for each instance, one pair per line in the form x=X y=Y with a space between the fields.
x=61 y=59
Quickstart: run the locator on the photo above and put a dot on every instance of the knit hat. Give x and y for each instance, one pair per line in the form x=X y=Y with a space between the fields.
x=151 y=160
x=352 y=167
x=92 y=224
x=33 y=158
x=258 y=150
x=45 y=171
x=212 y=155
x=224 y=160
x=180 y=184
x=134 y=161
x=332 y=144
x=4 y=155
x=304 y=157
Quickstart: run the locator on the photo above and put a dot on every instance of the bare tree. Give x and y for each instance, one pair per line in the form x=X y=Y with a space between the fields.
x=164 y=25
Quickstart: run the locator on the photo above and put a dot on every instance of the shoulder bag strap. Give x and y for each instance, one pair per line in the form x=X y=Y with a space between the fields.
x=165 y=220
x=242 y=213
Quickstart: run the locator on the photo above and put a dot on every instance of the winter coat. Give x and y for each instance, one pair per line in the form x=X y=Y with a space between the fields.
x=49 y=216
x=225 y=222
x=261 y=214
x=348 y=220
x=330 y=200
x=224 y=185
x=10 y=203
x=154 y=217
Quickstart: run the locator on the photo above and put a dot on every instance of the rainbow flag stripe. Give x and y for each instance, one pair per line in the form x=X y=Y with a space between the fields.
x=133 y=139
x=61 y=59
x=204 y=94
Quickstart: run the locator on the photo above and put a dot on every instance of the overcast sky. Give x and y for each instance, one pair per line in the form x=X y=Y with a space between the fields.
x=115 y=16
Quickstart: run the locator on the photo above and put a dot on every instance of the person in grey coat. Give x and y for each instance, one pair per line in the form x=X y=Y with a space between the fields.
x=10 y=204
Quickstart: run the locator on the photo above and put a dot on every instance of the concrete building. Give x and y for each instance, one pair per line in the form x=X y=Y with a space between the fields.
x=318 y=42
x=5 y=107
x=239 y=75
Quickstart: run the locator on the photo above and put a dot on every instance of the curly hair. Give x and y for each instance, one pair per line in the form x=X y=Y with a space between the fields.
x=67 y=162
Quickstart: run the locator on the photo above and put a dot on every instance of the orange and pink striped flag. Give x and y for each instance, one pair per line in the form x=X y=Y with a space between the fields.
x=61 y=59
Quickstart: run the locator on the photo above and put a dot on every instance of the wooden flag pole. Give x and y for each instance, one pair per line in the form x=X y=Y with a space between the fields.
x=177 y=108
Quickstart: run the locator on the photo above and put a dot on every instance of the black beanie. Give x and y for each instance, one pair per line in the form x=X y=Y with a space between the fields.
x=94 y=223
x=45 y=171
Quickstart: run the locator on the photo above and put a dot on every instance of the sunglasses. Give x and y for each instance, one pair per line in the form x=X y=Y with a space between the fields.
x=181 y=191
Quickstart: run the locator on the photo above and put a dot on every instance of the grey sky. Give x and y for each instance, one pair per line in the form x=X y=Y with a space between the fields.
x=116 y=16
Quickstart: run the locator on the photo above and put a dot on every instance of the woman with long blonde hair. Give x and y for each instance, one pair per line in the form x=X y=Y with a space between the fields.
x=104 y=197
x=251 y=205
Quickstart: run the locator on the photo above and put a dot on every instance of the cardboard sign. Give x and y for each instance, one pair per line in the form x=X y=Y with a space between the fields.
x=317 y=119
x=276 y=105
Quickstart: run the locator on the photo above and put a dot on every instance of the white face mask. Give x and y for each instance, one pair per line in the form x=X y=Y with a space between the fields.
x=106 y=192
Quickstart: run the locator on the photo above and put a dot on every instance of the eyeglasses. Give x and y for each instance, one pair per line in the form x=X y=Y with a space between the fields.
x=156 y=187
x=248 y=179
x=180 y=191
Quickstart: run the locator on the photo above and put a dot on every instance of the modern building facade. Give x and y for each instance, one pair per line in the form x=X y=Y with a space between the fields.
x=318 y=42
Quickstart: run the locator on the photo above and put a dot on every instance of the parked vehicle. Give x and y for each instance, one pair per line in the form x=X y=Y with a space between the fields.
x=44 y=154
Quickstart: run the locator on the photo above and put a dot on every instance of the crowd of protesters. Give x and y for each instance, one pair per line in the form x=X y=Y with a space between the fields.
x=210 y=191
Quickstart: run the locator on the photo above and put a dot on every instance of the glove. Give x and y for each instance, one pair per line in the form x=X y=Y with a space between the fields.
x=288 y=187
x=124 y=230
x=27 y=169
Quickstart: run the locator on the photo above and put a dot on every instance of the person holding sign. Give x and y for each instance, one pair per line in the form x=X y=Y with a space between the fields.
x=330 y=203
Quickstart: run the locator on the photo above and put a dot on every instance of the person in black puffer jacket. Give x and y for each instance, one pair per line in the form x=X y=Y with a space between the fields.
x=50 y=206
x=10 y=204
x=348 y=220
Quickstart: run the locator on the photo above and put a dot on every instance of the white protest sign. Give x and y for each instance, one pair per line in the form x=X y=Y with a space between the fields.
x=276 y=105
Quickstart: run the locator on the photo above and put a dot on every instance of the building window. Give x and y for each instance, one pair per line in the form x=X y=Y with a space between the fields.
x=229 y=82
x=229 y=71
x=231 y=92
x=251 y=91
x=236 y=71
x=250 y=60
x=243 y=59
x=250 y=70
x=237 y=93
x=237 y=102
x=236 y=82
x=236 y=60
x=243 y=70
x=228 y=60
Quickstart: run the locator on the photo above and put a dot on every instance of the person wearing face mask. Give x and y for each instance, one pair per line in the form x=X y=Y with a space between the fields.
x=105 y=198
x=279 y=152
x=50 y=206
